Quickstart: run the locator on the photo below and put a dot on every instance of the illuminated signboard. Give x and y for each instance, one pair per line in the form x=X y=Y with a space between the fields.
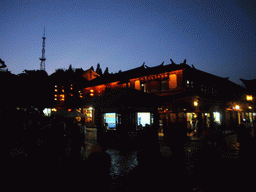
x=143 y=118
x=110 y=119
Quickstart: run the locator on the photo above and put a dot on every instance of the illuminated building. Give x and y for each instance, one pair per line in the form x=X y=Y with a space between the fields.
x=186 y=92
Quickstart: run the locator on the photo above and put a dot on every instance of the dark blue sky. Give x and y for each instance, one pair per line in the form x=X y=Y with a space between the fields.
x=215 y=36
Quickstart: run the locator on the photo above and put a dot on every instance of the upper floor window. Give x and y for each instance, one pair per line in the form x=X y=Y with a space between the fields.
x=137 y=84
x=163 y=86
x=204 y=88
x=172 y=81
x=190 y=84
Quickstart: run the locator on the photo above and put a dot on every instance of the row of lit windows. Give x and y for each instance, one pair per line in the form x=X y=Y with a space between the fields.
x=204 y=88
x=61 y=97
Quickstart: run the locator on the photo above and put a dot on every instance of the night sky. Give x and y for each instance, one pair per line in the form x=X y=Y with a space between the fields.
x=217 y=36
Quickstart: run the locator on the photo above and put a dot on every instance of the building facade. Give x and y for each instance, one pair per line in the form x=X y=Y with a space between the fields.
x=187 y=93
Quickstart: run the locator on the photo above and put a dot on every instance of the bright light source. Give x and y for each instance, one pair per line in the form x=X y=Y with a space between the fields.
x=91 y=94
x=237 y=107
x=91 y=90
x=249 y=97
x=56 y=90
x=250 y=107
x=54 y=109
x=90 y=108
x=195 y=103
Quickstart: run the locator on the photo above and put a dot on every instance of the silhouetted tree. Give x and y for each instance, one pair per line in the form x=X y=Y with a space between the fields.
x=34 y=88
x=2 y=64
x=106 y=72
x=98 y=70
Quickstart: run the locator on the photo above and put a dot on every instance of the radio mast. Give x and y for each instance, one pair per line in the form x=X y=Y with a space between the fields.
x=42 y=64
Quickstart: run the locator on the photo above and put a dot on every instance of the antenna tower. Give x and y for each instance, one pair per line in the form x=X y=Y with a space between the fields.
x=42 y=64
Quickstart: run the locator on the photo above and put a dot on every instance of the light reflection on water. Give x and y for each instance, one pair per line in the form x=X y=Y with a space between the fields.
x=122 y=163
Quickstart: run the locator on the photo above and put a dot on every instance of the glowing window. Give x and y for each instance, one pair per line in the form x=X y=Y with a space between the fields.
x=56 y=90
x=172 y=81
x=110 y=119
x=143 y=118
x=216 y=116
x=137 y=84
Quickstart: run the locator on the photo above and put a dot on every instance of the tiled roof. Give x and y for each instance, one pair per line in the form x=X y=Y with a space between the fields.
x=134 y=73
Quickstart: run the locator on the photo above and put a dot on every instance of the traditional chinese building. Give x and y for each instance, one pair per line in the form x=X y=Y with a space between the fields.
x=187 y=92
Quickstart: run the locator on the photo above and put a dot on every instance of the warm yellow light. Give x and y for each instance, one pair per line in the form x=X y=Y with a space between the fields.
x=81 y=96
x=62 y=90
x=56 y=90
x=250 y=107
x=237 y=107
x=54 y=109
x=69 y=109
x=91 y=90
x=55 y=95
x=249 y=97
x=55 y=99
x=71 y=88
x=195 y=103
x=62 y=95
x=56 y=86
x=91 y=94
